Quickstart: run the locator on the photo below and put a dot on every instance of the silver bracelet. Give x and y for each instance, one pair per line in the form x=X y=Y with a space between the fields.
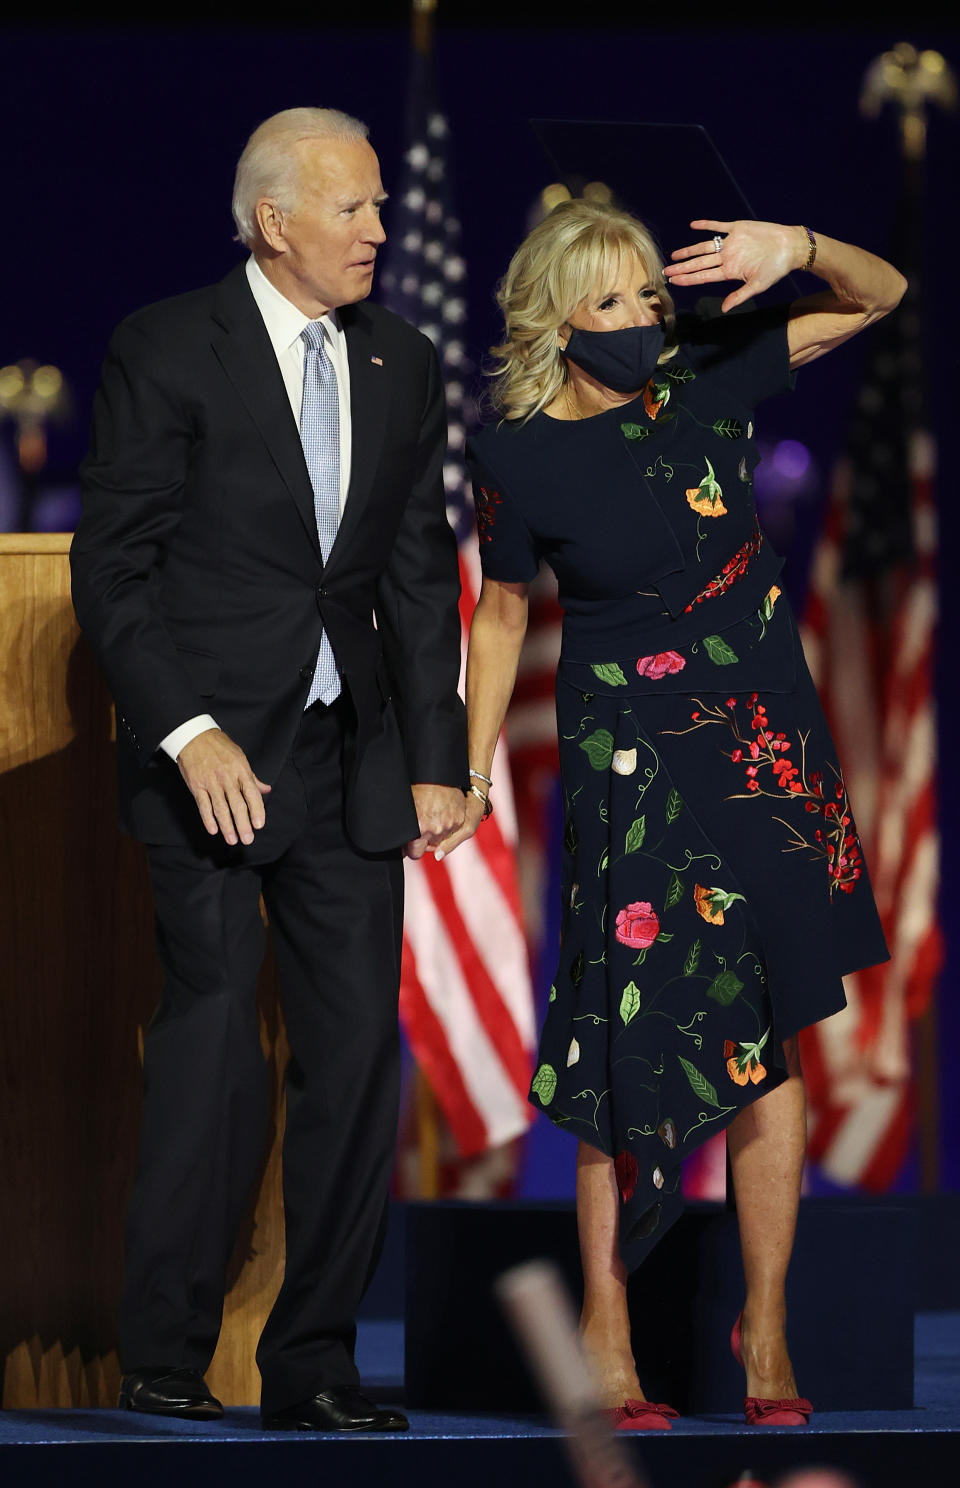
x=487 y=803
x=480 y=776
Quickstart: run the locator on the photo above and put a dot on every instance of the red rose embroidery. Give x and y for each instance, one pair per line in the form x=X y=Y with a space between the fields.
x=627 y=1171
x=665 y=663
x=637 y=926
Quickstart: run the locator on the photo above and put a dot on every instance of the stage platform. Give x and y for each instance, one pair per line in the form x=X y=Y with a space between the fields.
x=883 y=1449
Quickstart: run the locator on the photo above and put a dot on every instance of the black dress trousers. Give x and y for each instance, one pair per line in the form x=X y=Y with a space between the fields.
x=336 y=918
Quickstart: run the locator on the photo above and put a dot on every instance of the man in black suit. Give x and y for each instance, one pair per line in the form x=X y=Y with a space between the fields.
x=266 y=574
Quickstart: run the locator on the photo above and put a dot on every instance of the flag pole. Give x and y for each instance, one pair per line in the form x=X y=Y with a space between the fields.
x=422 y=13
x=913 y=81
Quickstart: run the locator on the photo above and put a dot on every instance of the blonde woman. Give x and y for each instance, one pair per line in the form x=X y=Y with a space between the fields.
x=714 y=888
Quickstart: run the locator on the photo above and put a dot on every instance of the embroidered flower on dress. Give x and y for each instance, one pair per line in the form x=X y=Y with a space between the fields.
x=663 y=664
x=733 y=570
x=638 y=925
x=486 y=503
x=655 y=396
x=711 y=903
x=707 y=498
x=743 y=1061
x=627 y=1171
x=624 y=761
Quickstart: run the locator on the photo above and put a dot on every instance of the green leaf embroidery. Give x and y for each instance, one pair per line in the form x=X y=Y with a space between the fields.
x=571 y=840
x=630 y=1002
x=666 y=936
x=675 y=892
x=599 y=749
x=635 y=431
x=636 y=835
x=679 y=374
x=587 y=698
x=609 y=671
x=693 y=959
x=553 y=995
x=674 y=806
x=699 y=1083
x=718 y=651
x=710 y=488
x=577 y=969
x=545 y=1084
x=724 y=988
x=604 y=861
x=728 y=428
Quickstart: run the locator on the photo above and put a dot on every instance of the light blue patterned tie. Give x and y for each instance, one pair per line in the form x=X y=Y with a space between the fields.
x=320 y=436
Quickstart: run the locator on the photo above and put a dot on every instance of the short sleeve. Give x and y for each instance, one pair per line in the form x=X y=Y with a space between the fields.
x=507 y=549
x=748 y=349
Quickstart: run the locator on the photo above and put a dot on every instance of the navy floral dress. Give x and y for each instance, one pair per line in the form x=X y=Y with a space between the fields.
x=714 y=891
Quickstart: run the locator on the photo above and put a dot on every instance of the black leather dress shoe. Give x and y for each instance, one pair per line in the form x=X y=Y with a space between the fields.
x=169 y=1392
x=341 y=1408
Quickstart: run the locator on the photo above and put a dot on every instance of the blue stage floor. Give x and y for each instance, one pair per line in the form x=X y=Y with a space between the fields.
x=847 y=1439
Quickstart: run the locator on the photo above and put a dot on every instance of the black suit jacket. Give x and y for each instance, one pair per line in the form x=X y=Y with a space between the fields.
x=197 y=572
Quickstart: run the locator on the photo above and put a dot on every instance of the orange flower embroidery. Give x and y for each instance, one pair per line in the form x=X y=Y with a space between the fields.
x=655 y=396
x=770 y=599
x=743 y=1061
x=707 y=498
x=711 y=903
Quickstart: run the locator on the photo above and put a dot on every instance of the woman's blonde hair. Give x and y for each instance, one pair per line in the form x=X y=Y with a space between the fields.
x=576 y=251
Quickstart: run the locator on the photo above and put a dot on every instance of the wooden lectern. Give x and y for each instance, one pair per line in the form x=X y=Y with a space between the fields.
x=78 y=981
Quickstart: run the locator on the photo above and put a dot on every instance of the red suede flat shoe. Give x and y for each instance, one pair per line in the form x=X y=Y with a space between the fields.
x=757 y=1412
x=640 y=1415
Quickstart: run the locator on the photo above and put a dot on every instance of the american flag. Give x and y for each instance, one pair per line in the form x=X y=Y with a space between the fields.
x=869 y=636
x=465 y=999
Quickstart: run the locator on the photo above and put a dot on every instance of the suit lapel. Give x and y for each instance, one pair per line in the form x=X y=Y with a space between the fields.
x=369 y=398
x=243 y=349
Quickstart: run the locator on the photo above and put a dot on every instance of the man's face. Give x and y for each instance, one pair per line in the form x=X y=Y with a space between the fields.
x=331 y=236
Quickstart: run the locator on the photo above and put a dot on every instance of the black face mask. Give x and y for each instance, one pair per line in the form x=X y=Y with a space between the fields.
x=622 y=360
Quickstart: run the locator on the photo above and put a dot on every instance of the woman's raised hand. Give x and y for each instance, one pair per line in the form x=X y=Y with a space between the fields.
x=759 y=253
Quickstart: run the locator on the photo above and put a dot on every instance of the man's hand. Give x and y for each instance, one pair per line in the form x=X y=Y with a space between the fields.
x=229 y=796
x=440 y=811
x=473 y=816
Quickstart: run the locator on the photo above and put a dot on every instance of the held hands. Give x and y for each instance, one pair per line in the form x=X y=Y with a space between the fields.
x=440 y=811
x=229 y=796
x=759 y=253
x=473 y=816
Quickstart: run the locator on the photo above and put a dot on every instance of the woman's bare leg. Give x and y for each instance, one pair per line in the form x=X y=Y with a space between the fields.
x=604 y=1322
x=766 y=1143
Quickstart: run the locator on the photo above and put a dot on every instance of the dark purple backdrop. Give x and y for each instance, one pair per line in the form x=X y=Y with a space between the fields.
x=120 y=149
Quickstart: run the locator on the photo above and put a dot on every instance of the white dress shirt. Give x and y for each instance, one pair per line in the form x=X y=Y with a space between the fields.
x=285 y=324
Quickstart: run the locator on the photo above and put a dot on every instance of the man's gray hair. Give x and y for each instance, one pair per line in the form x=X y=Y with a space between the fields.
x=269 y=165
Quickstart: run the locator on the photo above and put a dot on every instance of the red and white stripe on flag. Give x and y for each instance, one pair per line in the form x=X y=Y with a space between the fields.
x=466 y=999
x=877 y=687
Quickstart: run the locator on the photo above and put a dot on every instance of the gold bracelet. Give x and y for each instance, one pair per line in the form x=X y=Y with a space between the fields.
x=812 y=255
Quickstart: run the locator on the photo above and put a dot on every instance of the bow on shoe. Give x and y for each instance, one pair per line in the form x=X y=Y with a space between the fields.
x=641 y=1415
x=795 y=1412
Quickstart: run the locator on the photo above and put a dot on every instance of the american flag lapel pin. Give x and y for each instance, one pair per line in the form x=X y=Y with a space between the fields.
x=377 y=361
